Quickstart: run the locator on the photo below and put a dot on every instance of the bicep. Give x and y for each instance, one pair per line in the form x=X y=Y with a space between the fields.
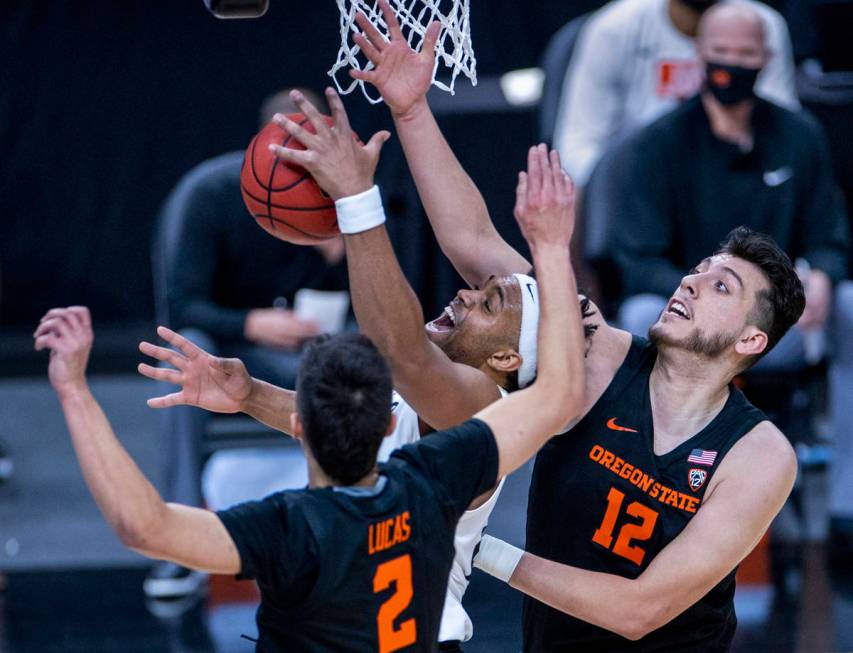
x=441 y=392
x=725 y=529
x=194 y=538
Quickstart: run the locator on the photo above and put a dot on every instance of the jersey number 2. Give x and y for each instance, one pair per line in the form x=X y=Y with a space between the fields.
x=604 y=534
x=399 y=572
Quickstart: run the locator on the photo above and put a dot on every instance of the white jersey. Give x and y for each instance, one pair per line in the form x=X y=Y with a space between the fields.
x=631 y=65
x=455 y=622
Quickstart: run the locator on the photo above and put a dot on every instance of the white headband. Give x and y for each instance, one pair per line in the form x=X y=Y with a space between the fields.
x=529 y=328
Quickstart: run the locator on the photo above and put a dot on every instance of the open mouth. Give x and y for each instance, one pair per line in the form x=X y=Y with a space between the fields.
x=444 y=322
x=678 y=309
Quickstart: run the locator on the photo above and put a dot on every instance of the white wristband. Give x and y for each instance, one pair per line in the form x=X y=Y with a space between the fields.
x=497 y=558
x=360 y=212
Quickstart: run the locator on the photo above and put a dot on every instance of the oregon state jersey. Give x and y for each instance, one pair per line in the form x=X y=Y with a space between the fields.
x=364 y=570
x=600 y=499
x=455 y=623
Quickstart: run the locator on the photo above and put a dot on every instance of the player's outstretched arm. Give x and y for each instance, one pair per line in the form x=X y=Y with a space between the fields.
x=524 y=421
x=220 y=385
x=732 y=519
x=189 y=536
x=454 y=205
x=386 y=307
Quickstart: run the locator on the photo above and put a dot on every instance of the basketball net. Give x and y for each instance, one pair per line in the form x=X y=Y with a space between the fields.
x=453 y=49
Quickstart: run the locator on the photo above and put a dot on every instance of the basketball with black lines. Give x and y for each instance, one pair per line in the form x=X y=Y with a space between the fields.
x=284 y=198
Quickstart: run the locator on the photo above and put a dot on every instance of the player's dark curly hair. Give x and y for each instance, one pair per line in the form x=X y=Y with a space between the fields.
x=343 y=395
x=779 y=307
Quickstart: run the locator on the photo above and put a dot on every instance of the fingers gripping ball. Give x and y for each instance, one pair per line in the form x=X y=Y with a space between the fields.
x=283 y=197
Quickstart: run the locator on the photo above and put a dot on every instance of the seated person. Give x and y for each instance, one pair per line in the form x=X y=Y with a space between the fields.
x=229 y=288
x=634 y=61
x=726 y=158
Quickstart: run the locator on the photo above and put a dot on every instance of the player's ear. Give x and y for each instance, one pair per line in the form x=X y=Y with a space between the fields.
x=392 y=424
x=296 y=429
x=752 y=342
x=504 y=361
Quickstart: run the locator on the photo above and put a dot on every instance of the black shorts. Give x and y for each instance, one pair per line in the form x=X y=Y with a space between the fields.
x=454 y=646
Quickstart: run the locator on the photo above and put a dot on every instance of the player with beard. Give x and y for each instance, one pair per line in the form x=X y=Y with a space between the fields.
x=480 y=347
x=678 y=476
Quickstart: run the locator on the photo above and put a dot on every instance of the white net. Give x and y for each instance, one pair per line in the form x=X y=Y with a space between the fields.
x=453 y=48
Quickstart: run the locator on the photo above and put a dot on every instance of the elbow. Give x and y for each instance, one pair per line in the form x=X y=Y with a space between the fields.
x=137 y=534
x=568 y=404
x=131 y=535
x=639 y=620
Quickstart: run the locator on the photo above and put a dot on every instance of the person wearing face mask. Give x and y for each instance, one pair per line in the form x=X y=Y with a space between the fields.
x=728 y=157
x=636 y=60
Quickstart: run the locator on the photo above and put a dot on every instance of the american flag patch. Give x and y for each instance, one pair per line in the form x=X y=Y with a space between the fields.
x=702 y=457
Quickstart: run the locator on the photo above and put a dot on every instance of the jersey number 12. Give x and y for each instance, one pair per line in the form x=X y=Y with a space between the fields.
x=629 y=532
x=399 y=572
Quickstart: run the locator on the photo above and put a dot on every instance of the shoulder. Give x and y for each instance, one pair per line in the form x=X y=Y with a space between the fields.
x=798 y=126
x=430 y=453
x=666 y=133
x=225 y=167
x=207 y=180
x=763 y=455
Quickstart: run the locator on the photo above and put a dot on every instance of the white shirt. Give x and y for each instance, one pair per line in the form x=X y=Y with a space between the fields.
x=631 y=65
x=455 y=622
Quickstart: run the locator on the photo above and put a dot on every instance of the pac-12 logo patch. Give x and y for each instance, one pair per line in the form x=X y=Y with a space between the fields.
x=696 y=478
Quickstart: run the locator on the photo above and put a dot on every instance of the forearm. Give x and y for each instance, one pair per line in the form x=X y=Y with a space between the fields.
x=453 y=204
x=555 y=397
x=126 y=498
x=605 y=600
x=560 y=341
x=271 y=405
x=379 y=290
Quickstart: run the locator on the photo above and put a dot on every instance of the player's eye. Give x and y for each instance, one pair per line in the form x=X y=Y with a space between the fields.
x=721 y=286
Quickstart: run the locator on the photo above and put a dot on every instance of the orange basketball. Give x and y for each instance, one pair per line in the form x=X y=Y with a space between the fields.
x=284 y=198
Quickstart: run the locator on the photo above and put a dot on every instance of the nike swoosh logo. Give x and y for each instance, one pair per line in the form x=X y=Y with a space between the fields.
x=613 y=426
x=778 y=177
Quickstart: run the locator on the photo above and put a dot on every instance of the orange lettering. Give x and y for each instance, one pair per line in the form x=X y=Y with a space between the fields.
x=607 y=458
x=407 y=530
x=596 y=452
x=399 y=572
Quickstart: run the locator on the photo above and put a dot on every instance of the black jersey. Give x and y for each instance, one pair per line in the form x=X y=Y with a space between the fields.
x=364 y=570
x=600 y=499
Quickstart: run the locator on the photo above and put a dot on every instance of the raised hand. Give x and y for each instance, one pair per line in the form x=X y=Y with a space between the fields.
x=67 y=332
x=221 y=385
x=338 y=162
x=545 y=200
x=401 y=75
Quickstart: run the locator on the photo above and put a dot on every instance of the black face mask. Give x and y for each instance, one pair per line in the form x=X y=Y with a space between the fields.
x=730 y=84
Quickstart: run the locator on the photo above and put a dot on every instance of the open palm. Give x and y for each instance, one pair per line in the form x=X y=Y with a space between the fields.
x=400 y=74
x=221 y=385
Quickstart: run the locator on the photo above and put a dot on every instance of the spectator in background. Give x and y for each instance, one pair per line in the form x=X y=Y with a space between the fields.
x=229 y=286
x=634 y=61
x=726 y=158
